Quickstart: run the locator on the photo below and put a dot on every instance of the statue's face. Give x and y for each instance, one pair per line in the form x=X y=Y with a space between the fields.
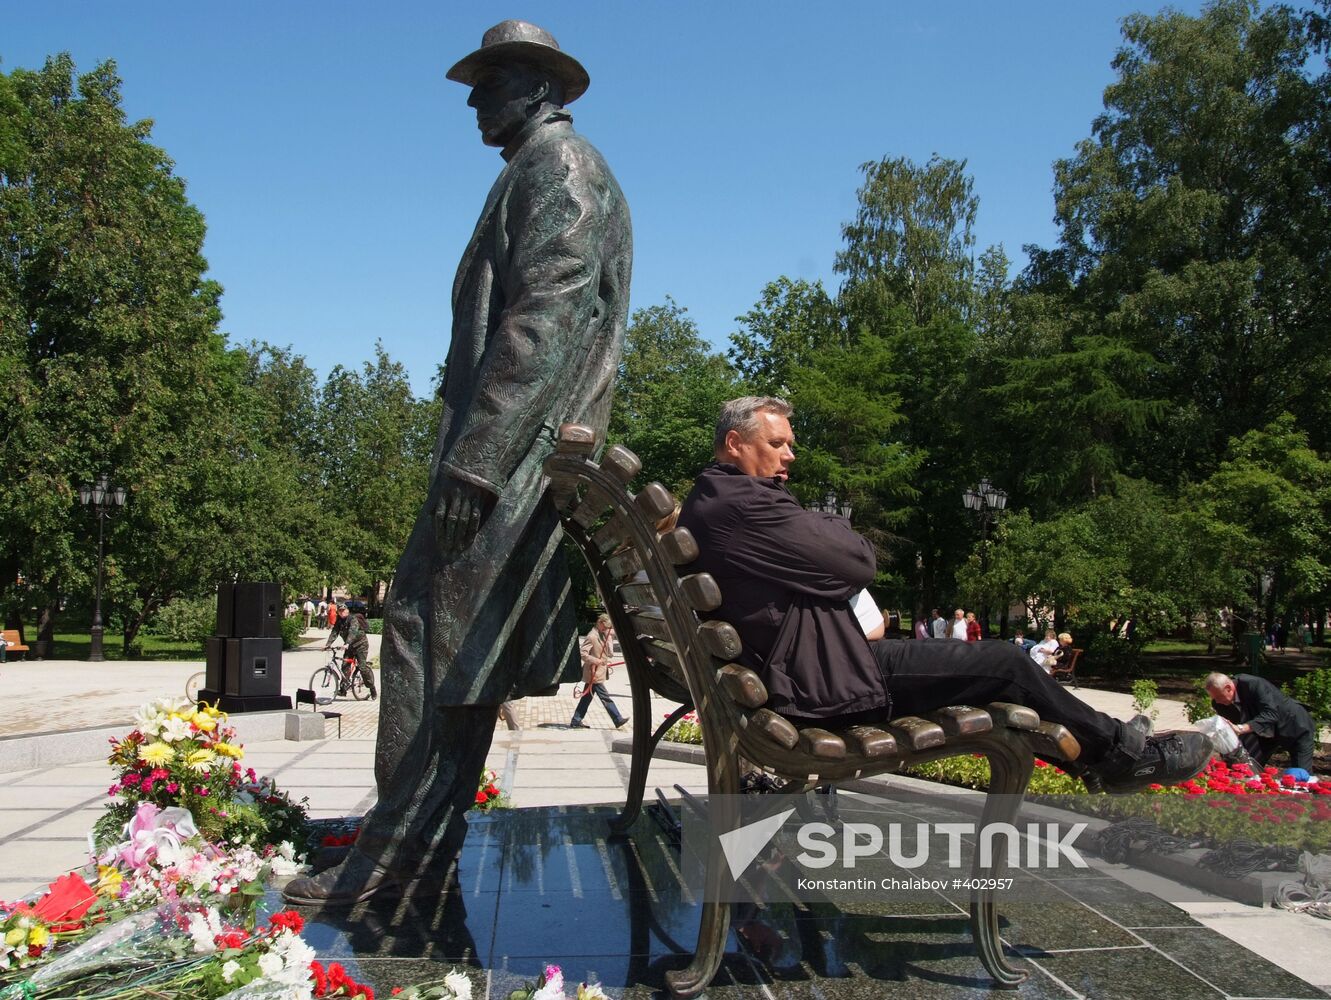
x=502 y=97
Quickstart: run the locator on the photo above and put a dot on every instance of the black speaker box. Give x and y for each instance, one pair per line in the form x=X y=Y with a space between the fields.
x=258 y=611
x=226 y=609
x=215 y=674
x=253 y=668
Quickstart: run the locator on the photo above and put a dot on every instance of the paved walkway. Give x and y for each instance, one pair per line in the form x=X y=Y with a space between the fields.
x=45 y=814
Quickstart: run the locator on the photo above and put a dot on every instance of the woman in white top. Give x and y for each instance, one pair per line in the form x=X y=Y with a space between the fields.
x=1046 y=653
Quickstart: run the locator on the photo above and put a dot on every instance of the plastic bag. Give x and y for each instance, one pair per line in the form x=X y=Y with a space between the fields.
x=1220 y=733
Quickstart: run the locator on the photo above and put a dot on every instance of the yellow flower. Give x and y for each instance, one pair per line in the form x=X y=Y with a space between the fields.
x=39 y=935
x=226 y=749
x=15 y=937
x=156 y=753
x=205 y=722
x=201 y=760
x=109 y=878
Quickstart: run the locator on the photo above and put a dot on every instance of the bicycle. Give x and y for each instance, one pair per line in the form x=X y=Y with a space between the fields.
x=338 y=677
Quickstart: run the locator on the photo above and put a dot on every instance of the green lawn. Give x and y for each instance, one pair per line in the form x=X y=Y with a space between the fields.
x=1176 y=646
x=74 y=646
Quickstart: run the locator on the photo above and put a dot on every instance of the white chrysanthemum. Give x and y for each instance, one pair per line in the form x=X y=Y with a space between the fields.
x=296 y=956
x=229 y=970
x=270 y=964
x=553 y=990
x=459 y=985
x=203 y=929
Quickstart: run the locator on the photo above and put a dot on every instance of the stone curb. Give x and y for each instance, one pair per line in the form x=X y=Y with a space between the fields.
x=1255 y=889
x=74 y=746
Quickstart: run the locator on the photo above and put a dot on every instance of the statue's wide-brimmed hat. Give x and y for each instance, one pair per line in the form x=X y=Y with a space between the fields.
x=511 y=40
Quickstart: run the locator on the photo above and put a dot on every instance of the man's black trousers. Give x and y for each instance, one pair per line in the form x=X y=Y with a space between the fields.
x=927 y=674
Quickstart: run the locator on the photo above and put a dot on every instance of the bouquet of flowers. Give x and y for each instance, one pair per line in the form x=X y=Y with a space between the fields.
x=30 y=931
x=488 y=795
x=549 y=985
x=165 y=859
x=178 y=755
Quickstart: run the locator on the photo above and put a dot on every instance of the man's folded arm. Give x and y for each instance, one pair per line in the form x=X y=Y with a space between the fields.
x=808 y=551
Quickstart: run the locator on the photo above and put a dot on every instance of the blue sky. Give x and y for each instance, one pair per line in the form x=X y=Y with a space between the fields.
x=341 y=174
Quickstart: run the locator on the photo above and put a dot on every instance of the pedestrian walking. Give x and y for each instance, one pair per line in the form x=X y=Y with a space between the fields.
x=595 y=670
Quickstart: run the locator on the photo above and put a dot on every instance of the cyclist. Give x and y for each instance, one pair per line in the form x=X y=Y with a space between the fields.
x=358 y=645
x=338 y=625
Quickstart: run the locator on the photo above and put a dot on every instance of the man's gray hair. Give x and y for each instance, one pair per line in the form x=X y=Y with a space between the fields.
x=742 y=415
x=1216 y=680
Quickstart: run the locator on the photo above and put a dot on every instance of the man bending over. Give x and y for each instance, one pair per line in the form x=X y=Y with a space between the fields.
x=1264 y=717
x=786 y=575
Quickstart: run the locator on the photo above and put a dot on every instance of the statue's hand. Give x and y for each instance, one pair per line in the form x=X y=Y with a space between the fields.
x=458 y=517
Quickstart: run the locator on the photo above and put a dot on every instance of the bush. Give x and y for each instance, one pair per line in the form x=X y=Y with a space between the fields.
x=292 y=628
x=186 y=619
x=375 y=626
x=1109 y=656
x=1144 y=694
x=687 y=729
x=1314 y=690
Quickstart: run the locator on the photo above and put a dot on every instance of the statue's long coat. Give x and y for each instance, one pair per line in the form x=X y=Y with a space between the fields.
x=540 y=305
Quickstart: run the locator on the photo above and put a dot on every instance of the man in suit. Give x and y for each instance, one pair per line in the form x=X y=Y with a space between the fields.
x=1264 y=717
x=479 y=610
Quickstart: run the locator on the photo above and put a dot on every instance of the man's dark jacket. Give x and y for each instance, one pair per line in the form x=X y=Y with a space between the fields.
x=786 y=576
x=1272 y=714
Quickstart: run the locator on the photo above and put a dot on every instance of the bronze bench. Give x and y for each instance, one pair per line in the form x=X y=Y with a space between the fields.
x=672 y=647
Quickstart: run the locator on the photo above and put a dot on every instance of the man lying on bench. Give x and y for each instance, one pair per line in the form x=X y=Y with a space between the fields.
x=786 y=575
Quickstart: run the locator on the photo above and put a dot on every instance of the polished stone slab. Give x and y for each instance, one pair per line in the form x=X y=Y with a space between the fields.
x=552 y=885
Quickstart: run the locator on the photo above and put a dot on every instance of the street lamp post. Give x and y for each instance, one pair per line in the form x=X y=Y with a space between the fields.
x=985 y=501
x=831 y=505
x=105 y=500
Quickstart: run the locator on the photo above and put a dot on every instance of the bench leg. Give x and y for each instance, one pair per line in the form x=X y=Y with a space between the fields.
x=1010 y=770
x=723 y=811
x=644 y=745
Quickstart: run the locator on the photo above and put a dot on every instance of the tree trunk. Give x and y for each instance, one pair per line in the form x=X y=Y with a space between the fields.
x=132 y=626
x=44 y=646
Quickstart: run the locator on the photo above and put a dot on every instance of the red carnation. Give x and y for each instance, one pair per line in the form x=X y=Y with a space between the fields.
x=288 y=920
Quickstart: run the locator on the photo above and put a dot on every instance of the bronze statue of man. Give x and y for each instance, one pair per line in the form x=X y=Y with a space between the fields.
x=479 y=609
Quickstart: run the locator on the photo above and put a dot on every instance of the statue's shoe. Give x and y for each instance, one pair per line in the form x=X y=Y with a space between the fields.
x=355 y=880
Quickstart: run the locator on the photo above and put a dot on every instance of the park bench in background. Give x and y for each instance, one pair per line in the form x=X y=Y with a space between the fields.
x=673 y=647
x=1065 y=669
x=11 y=637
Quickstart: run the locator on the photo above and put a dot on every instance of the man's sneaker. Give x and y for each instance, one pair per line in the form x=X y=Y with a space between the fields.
x=578 y=725
x=1165 y=760
x=622 y=722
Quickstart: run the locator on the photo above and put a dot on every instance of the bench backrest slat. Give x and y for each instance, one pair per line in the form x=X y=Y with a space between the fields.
x=624 y=565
